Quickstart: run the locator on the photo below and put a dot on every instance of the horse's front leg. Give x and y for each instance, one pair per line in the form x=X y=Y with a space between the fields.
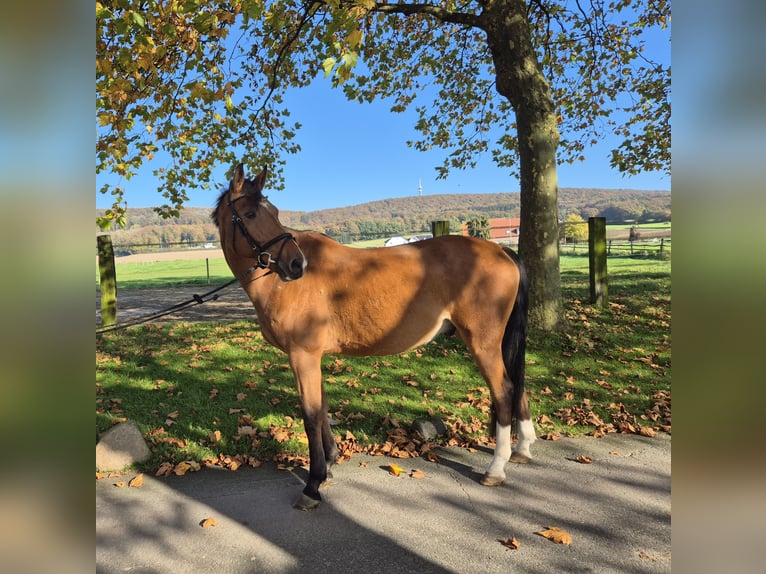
x=307 y=368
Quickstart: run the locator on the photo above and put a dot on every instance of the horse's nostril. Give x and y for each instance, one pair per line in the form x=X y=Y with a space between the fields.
x=297 y=266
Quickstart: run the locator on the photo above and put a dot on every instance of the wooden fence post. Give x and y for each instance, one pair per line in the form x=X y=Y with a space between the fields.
x=597 y=260
x=439 y=228
x=108 y=280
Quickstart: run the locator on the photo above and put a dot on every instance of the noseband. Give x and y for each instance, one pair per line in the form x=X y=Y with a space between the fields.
x=264 y=257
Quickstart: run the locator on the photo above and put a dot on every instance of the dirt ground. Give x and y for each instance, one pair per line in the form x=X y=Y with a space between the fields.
x=232 y=304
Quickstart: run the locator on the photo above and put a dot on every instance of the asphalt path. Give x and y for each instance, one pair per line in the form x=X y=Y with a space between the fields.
x=616 y=509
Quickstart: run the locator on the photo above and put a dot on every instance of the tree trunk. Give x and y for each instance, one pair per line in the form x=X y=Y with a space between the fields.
x=520 y=79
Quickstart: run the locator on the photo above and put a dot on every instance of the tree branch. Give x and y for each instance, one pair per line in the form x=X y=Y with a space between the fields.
x=442 y=14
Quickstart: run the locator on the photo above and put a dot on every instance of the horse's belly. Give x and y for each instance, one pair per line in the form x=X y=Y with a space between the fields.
x=403 y=338
x=443 y=326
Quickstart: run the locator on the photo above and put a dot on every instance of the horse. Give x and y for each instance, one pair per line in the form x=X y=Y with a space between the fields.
x=314 y=296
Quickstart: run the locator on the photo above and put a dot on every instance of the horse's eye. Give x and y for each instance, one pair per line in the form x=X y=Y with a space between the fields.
x=250 y=214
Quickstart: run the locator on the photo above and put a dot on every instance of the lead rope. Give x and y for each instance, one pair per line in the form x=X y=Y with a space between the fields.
x=195 y=300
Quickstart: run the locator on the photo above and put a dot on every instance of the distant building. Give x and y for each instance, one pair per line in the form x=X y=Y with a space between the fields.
x=415 y=238
x=501 y=229
x=395 y=240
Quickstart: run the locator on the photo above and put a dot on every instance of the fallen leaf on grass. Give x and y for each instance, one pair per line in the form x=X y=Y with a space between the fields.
x=582 y=459
x=556 y=535
x=511 y=543
x=207 y=522
x=137 y=481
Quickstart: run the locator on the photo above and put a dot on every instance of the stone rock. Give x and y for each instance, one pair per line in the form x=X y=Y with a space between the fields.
x=429 y=428
x=120 y=446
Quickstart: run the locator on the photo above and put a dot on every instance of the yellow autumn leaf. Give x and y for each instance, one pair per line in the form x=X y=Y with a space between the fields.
x=354 y=38
x=556 y=535
x=395 y=469
x=582 y=459
x=120 y=484
x=137 y=481
x=207 y=522
x=183 y=467
x=416 y=473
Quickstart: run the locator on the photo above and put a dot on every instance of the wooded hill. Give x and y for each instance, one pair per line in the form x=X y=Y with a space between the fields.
x=403 y=215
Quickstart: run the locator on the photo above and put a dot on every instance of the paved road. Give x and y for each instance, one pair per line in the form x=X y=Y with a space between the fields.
x=616 y=509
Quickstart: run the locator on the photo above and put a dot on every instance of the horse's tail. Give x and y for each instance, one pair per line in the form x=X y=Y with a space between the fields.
x=515 y=337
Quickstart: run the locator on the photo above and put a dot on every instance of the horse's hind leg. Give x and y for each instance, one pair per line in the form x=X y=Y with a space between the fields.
x=489 y=360
x=525 y=430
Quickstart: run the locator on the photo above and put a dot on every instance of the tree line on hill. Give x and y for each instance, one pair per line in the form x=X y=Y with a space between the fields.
x=404 y=216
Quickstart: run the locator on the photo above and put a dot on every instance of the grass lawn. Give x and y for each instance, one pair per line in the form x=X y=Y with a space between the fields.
x=216 y=393
x=158 y=274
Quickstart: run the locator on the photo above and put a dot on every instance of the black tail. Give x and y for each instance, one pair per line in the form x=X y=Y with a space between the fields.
x=515 y=338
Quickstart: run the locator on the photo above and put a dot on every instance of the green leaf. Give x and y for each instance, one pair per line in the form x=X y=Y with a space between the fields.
x=138 y=19
x=102 y=12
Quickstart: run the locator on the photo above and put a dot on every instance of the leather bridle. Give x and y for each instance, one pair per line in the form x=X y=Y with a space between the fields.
x=264 y=257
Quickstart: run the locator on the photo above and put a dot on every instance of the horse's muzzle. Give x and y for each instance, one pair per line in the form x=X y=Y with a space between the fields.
x=292 y=269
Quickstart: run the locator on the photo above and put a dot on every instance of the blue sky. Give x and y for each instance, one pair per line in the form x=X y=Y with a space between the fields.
x=353 y=153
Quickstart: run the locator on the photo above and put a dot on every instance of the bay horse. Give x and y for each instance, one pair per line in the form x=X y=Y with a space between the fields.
x=315 y=296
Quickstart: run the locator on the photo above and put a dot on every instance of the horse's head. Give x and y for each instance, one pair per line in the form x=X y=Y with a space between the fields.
x=249 y=227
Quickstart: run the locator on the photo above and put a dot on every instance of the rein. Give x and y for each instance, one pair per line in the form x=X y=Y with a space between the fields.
x=195 y=300
x=263 y=257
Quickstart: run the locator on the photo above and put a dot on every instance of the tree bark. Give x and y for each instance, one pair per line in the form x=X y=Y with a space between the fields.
x=520 y=79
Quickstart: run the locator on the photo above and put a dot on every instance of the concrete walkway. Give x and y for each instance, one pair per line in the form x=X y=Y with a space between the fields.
x=617 y=511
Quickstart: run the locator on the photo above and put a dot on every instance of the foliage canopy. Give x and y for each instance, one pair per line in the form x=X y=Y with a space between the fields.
x=204 y=81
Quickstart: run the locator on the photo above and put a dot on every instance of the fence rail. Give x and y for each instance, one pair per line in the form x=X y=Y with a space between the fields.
x=659 y=248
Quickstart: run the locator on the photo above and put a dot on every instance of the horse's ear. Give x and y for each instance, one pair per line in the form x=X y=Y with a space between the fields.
x=260 y=180
x=239 y=180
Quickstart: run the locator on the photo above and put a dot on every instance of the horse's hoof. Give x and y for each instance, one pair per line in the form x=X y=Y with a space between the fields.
x=306 y=503
x=488 y=480
x=520 y=458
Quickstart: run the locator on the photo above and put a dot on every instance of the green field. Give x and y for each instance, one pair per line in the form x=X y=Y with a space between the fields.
x=158 y=274
x=203 y=392
x=195 y=272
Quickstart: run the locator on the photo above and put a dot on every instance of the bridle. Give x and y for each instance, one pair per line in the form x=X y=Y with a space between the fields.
x=263 y=257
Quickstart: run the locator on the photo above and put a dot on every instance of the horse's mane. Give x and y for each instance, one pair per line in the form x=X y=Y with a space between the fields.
x=218 y=204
